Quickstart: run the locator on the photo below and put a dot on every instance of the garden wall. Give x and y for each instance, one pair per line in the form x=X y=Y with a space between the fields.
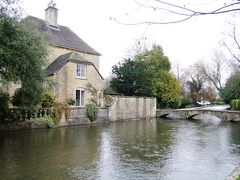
x=78 y=117
x=125 y=107
x=122 y=108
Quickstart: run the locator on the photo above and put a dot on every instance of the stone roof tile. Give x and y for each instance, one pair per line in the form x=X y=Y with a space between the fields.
x=60 y=36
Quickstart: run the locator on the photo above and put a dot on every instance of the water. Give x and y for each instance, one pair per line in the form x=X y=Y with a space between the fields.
x=157 y=149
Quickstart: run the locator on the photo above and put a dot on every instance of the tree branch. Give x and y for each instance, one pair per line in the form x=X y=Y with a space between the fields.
x=230 y=51
x=182 y=13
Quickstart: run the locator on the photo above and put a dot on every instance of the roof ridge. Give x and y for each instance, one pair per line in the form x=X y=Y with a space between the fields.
x=65 y=37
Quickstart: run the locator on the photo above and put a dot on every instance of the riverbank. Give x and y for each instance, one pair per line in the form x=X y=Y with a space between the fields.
x=122 y=108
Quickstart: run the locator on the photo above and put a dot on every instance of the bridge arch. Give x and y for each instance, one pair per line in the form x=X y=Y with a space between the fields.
x=208 y=114
x=163 y=115
x=224 y=115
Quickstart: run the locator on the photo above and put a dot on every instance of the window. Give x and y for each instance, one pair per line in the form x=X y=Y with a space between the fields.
x=80 y=97
x=81 y=70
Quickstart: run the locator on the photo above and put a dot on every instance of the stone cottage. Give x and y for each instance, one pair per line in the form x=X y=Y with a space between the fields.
x=72 y=63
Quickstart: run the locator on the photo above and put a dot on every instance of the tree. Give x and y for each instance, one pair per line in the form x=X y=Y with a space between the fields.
x=198 y=86
x=231 y=90
x=214 y=70
x=147 y=75
x=22 y=55
x=177 y=12
x=232 y=43
x=195 y=88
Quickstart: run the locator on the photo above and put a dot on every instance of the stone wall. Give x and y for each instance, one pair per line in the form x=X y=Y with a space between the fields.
x=132 y=108
x=123 y=108
x=78 y=117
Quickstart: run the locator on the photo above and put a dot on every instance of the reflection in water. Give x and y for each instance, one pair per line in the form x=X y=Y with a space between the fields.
x=156 y=149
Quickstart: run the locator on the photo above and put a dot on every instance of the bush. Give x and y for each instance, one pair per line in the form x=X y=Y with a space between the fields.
x=71 y=101
x=47 y=120
x=235 y=104
x=91 y=112
x=231 y=90
x=48 y=100
x=59 y=108
x=218 y=102
x=175 y=105
x=185 y=102
x=4 y=99
x=18 y=98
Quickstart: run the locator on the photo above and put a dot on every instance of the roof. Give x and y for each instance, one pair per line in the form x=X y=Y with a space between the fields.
x=61 y=36
x=63 y=59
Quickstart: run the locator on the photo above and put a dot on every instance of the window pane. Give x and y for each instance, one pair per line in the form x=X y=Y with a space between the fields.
x=78 y=69
x=82 y=98
x=77 y=97
x=81 y=70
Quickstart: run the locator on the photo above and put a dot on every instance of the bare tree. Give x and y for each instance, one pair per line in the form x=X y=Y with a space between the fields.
x=197 y=86
x=214 y=71
x=138 y=47
x=232 y=44
x=178 y=11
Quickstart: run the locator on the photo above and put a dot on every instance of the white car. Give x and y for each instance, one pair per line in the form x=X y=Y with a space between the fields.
x=204 y=103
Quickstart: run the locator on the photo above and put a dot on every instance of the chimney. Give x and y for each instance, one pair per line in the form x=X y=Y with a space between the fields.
x=51 y=14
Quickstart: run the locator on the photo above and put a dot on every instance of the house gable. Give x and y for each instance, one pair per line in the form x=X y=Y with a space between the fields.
x=63 y=59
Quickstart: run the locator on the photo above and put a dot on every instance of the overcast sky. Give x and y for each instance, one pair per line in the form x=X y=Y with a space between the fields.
x=183 y=43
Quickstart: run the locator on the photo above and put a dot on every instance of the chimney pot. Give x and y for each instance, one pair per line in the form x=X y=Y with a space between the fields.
x=51 y=14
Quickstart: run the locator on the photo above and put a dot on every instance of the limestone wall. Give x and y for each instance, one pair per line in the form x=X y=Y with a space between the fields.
x=123 y=108
x=78 y=117
x=132 y=108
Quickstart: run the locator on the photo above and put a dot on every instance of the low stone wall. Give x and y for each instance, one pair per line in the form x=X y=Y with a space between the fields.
x=125 y=107
x=78 y=117
x=122 y=108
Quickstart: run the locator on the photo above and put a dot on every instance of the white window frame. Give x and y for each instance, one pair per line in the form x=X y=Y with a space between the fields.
x=81 y=73
x=81 y=103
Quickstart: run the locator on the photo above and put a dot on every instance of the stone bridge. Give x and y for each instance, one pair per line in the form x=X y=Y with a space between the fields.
x=190 y=113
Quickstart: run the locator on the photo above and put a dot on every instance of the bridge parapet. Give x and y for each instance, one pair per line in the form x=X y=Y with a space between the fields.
x=190 y=113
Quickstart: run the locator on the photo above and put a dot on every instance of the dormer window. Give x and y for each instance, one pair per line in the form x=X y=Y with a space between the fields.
x=81 y=71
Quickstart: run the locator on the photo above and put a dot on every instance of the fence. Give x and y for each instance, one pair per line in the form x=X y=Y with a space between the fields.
x=22 y=114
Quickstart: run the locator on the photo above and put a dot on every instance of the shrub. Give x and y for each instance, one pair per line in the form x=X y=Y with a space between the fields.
x=91 y=112
x=235 y=104
x=71 y=101
x=48 y=100
x=59 y=108
x=185 y=102
x=218 y=102
x=18 y=98
x=4 y=99
x=49 y=121
x=175 y=104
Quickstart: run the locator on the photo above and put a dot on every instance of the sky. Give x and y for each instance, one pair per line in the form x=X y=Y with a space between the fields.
x=184 y=43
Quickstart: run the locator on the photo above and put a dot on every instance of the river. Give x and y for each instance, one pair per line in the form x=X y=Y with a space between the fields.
x=145 y=149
